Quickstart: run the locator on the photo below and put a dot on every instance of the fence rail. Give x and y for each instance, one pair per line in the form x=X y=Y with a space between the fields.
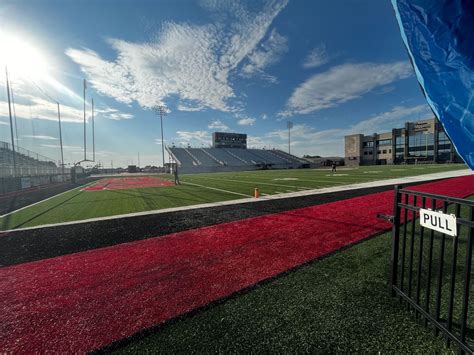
x=25 y=152
x=431 y=271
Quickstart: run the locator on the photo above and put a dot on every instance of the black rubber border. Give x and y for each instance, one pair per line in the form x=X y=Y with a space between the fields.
x=18 y=247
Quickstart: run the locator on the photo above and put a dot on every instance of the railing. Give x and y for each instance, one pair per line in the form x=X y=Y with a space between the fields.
x=195 y=160
x=431 y=271
x=213 y=157
x=25 y=152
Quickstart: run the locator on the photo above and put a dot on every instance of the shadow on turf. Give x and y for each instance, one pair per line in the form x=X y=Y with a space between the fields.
x=197 y=311
x=5 y=221
x=152 y=195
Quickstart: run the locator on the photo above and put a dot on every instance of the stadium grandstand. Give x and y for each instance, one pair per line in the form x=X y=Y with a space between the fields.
x=21 y=168
x=226 y=156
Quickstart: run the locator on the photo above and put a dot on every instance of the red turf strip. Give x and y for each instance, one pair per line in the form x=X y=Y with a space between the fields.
x=87 y=300
x=136 y=182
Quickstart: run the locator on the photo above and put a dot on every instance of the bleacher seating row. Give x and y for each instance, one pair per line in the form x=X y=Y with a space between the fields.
x=27 y=162
x=196 y=160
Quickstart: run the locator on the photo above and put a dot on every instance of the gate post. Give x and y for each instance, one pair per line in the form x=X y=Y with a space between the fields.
x=395 y=239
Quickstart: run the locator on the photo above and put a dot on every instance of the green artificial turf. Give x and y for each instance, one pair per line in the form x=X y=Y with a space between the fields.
x=339 y=304
x=79 y=205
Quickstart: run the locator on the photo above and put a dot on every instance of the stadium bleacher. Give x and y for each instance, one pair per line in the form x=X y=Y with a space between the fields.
x=27 y=163
x=197 y=160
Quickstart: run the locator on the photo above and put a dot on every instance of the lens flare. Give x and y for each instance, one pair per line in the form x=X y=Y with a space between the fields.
x=22 y=59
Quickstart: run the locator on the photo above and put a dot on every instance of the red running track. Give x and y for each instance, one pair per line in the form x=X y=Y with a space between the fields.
x=123 y=183
x=84 y=301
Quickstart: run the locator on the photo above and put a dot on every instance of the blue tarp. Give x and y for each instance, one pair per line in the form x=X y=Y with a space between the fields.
x=439 y=36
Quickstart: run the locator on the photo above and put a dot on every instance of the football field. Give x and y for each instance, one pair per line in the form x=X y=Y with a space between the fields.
x=109 y=198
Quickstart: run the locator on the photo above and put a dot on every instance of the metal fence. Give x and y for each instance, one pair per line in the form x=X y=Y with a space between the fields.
x=25 y=152
x=431 y=271
x=26 y=163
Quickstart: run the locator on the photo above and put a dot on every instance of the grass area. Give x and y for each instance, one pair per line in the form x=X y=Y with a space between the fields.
x=78 y=205
x=340 y=304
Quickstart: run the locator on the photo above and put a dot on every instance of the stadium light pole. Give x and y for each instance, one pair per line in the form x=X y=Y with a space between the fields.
x=14 y=114
x=93 y=133
x=85 y=86
x=60 y=138
x=161 y=110
x=11 y=122
x=290 y=126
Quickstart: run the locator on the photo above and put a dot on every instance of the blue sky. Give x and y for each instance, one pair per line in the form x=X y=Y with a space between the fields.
x=331 y=67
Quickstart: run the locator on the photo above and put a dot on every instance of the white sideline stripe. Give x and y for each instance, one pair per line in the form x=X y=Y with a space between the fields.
x=215 y=188
x=46 y=199
x=256 y=183
x=405 y=180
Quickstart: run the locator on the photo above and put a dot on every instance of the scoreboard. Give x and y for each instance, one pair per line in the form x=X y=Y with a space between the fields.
x=229 y=140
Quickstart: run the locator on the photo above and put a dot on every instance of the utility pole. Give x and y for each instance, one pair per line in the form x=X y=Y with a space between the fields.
x=85 y=86
x=60 y=138
x=93 y=133
x=161 y=110
x=11 y=122
x=290 y=126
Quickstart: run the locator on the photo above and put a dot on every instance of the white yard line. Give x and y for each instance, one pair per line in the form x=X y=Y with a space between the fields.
x=215 y=188
x=258 y=183
x=399 y=181
x=46 y=199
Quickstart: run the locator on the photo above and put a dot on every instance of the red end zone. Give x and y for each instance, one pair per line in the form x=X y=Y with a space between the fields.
x=135 y=182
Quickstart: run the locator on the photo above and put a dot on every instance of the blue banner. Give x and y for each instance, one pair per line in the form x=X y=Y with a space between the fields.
x=439 y=37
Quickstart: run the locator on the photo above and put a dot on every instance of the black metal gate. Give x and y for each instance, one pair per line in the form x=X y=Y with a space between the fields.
x=431 y=271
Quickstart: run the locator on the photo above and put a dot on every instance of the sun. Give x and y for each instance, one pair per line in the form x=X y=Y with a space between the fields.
x=22 y=58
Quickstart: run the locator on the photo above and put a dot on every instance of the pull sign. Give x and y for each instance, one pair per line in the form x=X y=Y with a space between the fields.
x=439 y=221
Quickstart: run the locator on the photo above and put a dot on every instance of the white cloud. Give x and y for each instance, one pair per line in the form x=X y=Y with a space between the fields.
x=341 y=84
x=193 y=137
x=317 y=57
x=39 y=108
x=306 y=139
x=247 y=121
x=48 y=138
x=32 y=107
x=268 y=53
x=192 y=62
x=391 y=119
x=218 y=125
x=264 y=116
x=71 y=148
x=113 y=114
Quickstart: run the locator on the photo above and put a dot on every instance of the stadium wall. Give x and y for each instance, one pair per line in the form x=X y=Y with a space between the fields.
x=17 y=183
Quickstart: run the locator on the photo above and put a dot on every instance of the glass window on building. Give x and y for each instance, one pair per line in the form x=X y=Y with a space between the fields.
x=368 y=144
x=444 y=147
x=421 y=145
x=384 y=142
x=399 y=148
